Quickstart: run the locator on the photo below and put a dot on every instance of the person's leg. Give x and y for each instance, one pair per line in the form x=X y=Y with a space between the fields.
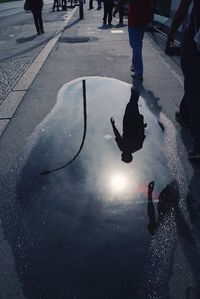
x=182 y=116
x=36 y=21
x=90 y=4
x=110 y=10
x=56 y=4
x=121 y=13
x=136 y=35
x=40 y=20
x=99 y=4
x=105 y=13
x=190 y=63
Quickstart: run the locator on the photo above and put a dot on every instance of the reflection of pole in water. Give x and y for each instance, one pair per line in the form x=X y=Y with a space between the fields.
x=45 y=172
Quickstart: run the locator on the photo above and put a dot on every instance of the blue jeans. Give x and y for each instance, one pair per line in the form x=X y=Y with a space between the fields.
x=136 y=35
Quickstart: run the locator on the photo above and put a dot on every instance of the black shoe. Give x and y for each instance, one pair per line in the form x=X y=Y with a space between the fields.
x=181 y=120
x=194 y=154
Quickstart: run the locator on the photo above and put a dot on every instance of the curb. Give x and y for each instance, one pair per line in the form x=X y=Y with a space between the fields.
x=15 y=97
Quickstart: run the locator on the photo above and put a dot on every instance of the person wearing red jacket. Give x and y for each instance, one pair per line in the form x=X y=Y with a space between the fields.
x=139 y=15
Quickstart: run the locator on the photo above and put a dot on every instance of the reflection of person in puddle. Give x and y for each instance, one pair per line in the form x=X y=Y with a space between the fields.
x=166 y=202
x=133 y=129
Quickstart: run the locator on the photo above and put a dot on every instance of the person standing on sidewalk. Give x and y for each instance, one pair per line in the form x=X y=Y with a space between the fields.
x=108 y=9
x=189 y=113
x=36 y=9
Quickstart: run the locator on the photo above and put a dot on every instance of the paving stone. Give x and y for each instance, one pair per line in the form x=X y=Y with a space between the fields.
x=10 y=72
x=28 y=77
x=3 y=125
x=10 y=104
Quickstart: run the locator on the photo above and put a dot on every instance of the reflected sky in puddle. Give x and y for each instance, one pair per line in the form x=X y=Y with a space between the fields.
x=88 y=222
x=60 y=135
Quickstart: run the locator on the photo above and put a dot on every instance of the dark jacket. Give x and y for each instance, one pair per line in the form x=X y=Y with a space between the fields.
x=36 y=4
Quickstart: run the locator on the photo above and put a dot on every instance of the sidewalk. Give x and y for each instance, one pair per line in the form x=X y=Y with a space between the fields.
x=102 y=53
x=75 y=238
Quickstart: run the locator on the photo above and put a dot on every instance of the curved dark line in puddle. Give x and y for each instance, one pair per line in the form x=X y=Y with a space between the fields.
x=46 y=172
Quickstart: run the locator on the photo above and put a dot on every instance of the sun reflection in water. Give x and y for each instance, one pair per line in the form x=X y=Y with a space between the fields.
x=121 y=184
x=118 y=182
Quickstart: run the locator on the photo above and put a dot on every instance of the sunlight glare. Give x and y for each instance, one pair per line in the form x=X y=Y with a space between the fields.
x=118 y=183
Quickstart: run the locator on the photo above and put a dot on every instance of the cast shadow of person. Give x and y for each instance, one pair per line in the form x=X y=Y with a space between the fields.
x=169 y=206
x=166 y=200
x=133 y=134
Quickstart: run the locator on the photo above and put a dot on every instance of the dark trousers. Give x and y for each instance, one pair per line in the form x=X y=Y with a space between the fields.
x=190 y=104
x=37 y=15
x=108 y=8
x=56 y=4
x=91 y=4
x=99 y=3
x=121 y=13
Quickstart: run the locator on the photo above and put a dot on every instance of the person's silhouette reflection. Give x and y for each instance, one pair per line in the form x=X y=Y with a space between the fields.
x=133 y=129
x=167 y=200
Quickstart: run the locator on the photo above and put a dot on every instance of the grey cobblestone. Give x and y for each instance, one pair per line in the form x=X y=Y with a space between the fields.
x=10 y=72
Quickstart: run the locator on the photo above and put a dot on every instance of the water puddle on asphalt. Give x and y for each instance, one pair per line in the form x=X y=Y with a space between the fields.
x=93 y=194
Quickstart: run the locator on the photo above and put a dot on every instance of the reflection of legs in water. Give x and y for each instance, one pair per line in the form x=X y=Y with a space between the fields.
x=153 y=225
x=132 y=111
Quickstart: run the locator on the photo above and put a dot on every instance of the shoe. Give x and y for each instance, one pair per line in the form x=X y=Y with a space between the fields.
x=181 y=120
x=42 y=31
x=119 y=25
x=194 y=154
x=137 y=76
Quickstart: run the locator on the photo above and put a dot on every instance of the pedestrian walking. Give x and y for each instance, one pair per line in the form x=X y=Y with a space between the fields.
x=189 y=113
x=36 y=9
x=108 y=10
x=139 y=15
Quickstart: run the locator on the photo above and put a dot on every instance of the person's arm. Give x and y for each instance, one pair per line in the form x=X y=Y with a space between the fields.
x=116 y=132
x=178 y=19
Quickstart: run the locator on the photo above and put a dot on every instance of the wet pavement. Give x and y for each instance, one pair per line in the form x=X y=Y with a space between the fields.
x=99 y=227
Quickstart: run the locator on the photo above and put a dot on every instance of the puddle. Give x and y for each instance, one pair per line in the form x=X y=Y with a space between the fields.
x=85 y=230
